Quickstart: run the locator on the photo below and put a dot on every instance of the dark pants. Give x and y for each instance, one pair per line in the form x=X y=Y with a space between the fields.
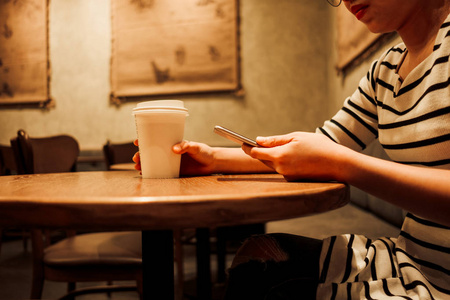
x=274 y=267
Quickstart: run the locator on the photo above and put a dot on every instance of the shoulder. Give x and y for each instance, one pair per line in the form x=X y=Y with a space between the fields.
x=442 y=44
x=443 y=35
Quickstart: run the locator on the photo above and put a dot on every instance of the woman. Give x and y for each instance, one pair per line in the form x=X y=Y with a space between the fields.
x=404 y=101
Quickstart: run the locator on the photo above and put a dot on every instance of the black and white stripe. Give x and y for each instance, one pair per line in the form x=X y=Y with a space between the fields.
x=411 y=119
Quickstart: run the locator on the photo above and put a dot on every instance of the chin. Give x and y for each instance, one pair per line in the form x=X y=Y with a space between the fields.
x=375 y=28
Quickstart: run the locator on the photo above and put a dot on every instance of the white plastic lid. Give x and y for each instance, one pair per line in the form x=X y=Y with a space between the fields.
x=161 y=103
x=160 y=106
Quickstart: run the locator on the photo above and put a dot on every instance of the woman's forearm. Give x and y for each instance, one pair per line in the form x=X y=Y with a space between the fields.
x=405 y=186
x=234 y=160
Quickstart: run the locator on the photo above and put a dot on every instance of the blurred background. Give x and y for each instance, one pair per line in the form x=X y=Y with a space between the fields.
x=288 y=75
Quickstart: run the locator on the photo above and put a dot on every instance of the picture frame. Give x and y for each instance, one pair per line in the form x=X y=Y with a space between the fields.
x=174 y=47
x=24 y=55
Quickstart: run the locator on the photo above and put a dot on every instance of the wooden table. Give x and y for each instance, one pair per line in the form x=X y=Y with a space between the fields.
x=122 y=200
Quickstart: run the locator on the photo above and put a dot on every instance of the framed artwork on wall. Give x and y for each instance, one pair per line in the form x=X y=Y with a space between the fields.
x=24 y=59
x=173 y=47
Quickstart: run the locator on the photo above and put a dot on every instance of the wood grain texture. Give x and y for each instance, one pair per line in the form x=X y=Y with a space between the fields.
x=174 y=47
x=122 y=200
x=24 y=56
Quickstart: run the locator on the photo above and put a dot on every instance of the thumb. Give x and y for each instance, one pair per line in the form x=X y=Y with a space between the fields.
x=273 y=141
x=181 y=147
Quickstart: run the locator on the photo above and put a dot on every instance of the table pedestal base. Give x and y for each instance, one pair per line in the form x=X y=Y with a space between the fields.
x=204 y=289
x=157 y=265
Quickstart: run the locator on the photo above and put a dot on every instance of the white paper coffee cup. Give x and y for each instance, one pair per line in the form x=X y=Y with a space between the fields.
x=160 y=125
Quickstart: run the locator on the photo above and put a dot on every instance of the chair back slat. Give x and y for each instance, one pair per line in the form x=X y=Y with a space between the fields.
x=52 y=154
x=7 y=161
x=118 y=153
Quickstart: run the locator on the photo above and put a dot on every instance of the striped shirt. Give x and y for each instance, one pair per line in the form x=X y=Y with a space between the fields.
x=411 y=119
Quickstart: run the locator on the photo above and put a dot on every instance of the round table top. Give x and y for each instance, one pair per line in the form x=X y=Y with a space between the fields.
x=122 y=200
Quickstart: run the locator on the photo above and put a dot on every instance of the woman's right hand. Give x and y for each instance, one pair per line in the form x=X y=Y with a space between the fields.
x=136 y=157
x=196 y=159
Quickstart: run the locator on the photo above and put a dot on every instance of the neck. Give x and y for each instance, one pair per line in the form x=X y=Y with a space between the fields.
x=420 y=30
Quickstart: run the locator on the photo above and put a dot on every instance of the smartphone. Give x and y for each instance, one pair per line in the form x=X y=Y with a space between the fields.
x=235 y=137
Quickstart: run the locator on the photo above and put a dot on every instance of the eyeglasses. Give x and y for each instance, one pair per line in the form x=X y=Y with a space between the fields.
x=335 y=3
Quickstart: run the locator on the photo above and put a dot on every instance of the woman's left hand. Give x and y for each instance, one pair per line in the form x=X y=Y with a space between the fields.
x=300 y=155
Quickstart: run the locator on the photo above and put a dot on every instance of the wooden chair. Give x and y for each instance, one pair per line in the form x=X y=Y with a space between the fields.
x=7 y=161
x=89 y=257
x=118 y=153
x=8 y=167
x=44 y=155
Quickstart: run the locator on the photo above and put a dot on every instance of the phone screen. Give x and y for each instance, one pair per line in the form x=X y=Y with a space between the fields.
x=234 y=136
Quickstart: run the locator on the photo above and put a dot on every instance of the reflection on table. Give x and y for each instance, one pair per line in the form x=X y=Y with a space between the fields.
x=122 y=167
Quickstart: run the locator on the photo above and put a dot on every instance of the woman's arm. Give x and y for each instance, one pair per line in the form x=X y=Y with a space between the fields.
x=201 y=159
x=422 y=191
